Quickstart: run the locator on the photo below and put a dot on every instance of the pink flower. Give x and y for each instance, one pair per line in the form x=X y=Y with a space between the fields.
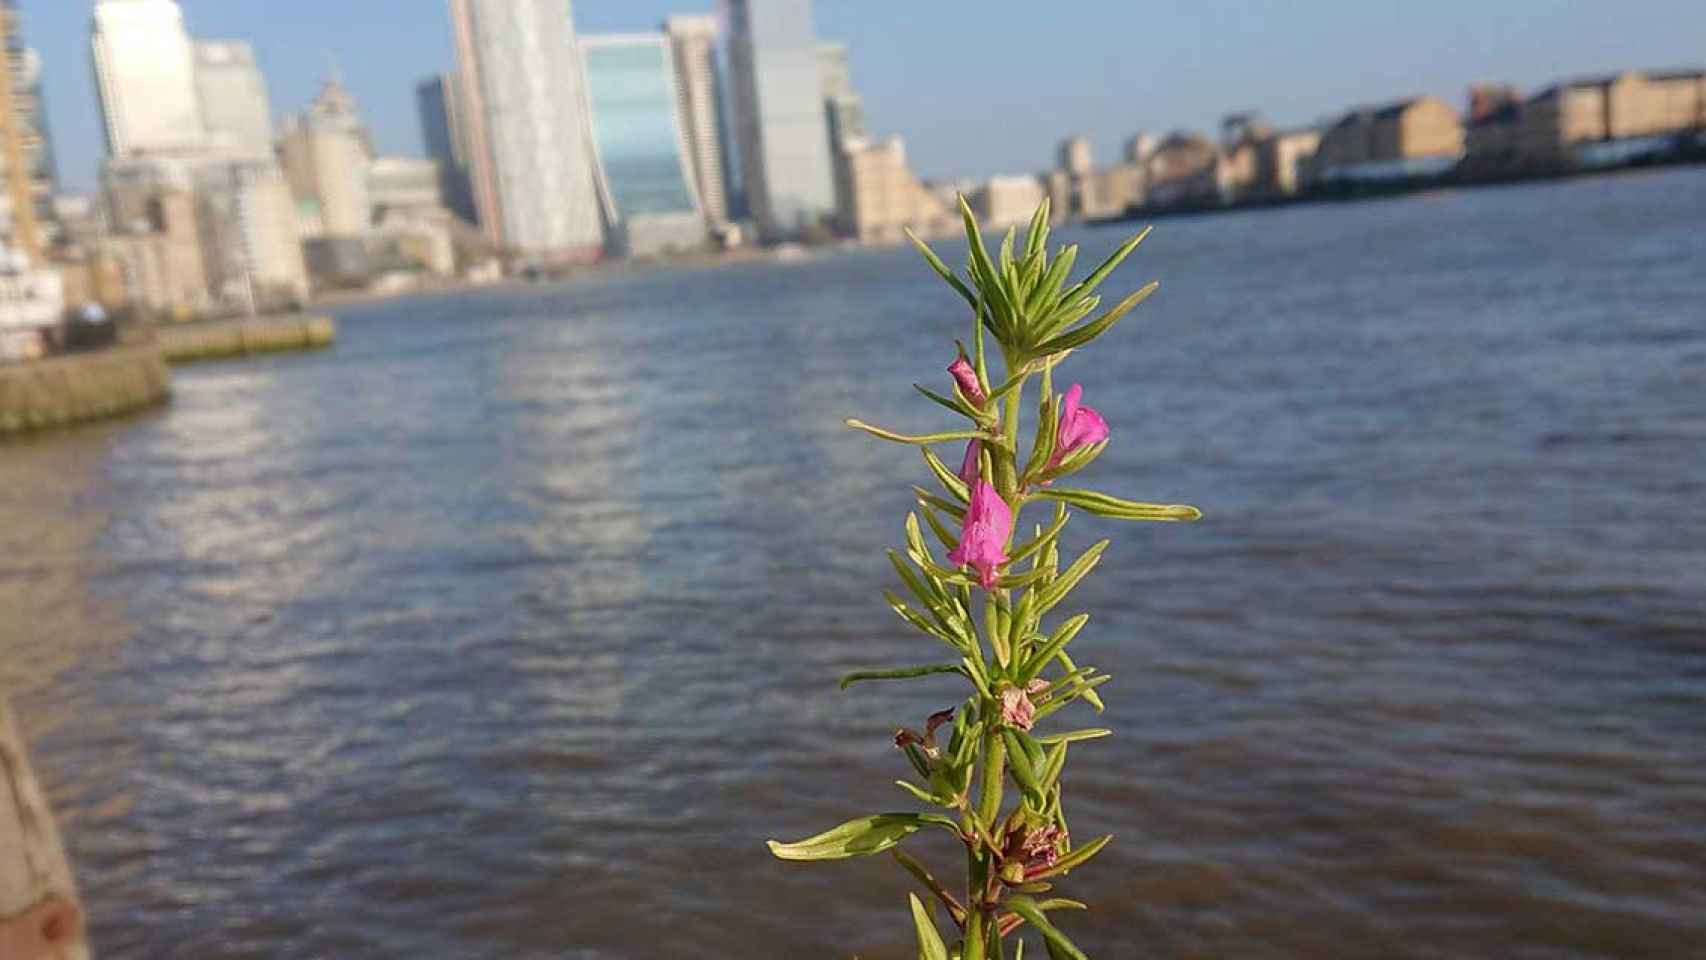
x=1017 y=710
x=983 y=535
x=969 y=466
x=1080 y=426
x=966 y=377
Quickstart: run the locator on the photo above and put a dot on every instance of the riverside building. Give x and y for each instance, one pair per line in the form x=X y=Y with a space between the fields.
x=780 y=129
x=529 y=129
x=645 y=176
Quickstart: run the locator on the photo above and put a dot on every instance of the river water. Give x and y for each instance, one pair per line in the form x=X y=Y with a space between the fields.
x=510 y=626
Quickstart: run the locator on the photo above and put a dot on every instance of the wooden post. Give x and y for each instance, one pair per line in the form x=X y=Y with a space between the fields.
x=39 y=915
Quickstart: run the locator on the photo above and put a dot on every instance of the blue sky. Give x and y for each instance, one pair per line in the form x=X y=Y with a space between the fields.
x=974 y=86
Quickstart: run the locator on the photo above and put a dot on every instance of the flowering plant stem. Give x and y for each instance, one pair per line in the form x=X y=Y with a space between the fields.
x=1019 y=672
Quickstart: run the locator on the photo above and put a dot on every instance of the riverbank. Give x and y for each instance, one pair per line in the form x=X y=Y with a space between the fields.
x=1354 y=192
x=213 y=340
x=101 y=384
x=79 y=388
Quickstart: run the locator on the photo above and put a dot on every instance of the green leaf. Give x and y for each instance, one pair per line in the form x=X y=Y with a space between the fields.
x=952 y=403
x=1020 y=764
x=950 y=540
x=861 y=837
x=1036 y=235
x=1090 y=696
x=926 y=438
x=930 y=945
x=917 y=620
x=901 y=673
x=941 y=268
x=1033 y=914
x=1057 y=591
x=1101 y=273
x=1073 y=339
x=957 y=511
x=1046 y=292
x=1073 y=462
x=1104 y=505
x=1062 y=636
x=1037 y=543
x=1073 y=736
x=921 y=795
x=949 y=480
x=1076 y=858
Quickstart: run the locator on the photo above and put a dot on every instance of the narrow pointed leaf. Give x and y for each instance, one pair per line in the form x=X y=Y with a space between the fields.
x=1077 y=857
x=861 y=837
x=1073 y=736
x=949 y=480
x=902 y=673
x=930 y=945
x=1104 y=505
x=941 y=268
x=1101 y=273
x=1073 y=339
x=925 y=438
x=1060 y=638
x=1033 y=914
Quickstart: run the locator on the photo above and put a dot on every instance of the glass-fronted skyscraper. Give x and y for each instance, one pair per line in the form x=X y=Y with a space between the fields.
x=780 y=129
x=651 y=199
x=145 y=69
x=444 y=128
x=529 y=132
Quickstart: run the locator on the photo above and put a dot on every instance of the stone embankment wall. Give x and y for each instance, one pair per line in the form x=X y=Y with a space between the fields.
x=61 y=391
x=233 y=338
x=83 y=387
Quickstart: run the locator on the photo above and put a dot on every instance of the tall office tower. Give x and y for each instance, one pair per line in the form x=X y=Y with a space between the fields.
x=529 y=133
x=693 y=40
x=326 y=155
x=844 y=115
x=145 y=71
x=233 y=97
x=779 y=119
x=844 y=109
x=26 y=157
x=652 y=204
x=444 y=128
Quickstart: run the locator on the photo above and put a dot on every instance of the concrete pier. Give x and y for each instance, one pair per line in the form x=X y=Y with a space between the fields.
x=80 y=388
x=235 y=338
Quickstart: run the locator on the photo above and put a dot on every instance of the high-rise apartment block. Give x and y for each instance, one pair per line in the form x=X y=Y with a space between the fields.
x=779 y=115
x=693 y=42
x=529 y=130
x=233 y=98
x=145 y=72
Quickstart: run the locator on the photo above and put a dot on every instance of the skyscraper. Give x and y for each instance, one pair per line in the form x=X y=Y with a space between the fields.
x=145 y=71
x=693 y=41
x=444 y=128
x=233 y=98
x=779 y=114
x=529 y=130
x=26 y=161
x=652 y=203
x=844 y=115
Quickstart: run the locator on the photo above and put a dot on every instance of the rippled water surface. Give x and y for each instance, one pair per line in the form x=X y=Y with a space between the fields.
x=510 y=626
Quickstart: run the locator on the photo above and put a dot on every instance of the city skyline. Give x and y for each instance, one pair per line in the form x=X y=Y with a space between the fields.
x=1334 y=56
